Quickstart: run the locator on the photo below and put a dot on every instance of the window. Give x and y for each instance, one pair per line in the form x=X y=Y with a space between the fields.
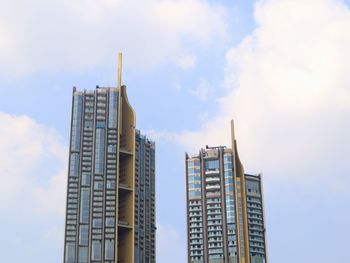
x=110 y=184
x=97 y=222
x=193 y=163
x=84 y=235
x=100 y=125
x=228 y=166
x=110 y=221
x=194 y=186
x=229 y=188
x=109 y=249
x=84 y=205
x=112 y=148
x=70 y=251
x=113 y=109
x=193 y=194
x=192 y=178
x=96 y=250
x=76 y=122
x=227 y=158
x=99 y=153
x=98 y=185
x=83 y=255
x=193 y=171
x=228 y=178
x=212 y=164
x=85 y=179
x=88 y=124
x=74 y=164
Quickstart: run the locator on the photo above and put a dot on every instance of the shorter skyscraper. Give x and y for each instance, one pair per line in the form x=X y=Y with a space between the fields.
x=225 y=217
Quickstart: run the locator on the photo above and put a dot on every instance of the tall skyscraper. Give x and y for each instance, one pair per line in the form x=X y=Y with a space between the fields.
x=225 y=217
x=101 y=206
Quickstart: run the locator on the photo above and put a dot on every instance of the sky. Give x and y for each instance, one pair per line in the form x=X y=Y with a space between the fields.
x=279 y=68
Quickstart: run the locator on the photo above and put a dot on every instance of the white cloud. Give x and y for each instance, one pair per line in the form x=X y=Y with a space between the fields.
x=186 y=61
x=75 y=35
x=51 y=197
x=162 y=135
x=32 y=167
x=202 y=90
x=288 y=90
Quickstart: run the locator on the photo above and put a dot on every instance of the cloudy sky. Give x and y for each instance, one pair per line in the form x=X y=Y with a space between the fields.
x=280 y=68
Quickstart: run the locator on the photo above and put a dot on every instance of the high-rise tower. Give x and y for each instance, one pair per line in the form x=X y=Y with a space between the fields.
x=100 y=211
x=225 y=217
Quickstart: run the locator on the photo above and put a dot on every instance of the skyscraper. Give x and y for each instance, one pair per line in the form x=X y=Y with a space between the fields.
x=225 y=217
x=101 y=189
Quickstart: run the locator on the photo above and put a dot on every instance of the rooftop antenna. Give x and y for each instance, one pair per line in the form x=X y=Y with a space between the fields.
x=119 y=81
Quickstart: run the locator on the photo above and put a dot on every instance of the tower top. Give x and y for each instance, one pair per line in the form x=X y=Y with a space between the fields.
x=232 y=134
x=119 y=77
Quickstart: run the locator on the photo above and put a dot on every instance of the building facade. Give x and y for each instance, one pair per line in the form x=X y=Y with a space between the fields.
x=101 y=225
x=225 y=217
x=145 y=228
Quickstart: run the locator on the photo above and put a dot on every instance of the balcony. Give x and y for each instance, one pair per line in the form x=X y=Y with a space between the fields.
x=212 y=179
x=212 y=187
x=214 y=171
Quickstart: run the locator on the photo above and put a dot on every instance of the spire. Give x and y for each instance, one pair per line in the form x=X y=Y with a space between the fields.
x=233 y=139
x=119 y=81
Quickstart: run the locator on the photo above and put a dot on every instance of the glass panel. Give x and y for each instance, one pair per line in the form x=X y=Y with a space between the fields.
x=109 y=249
x=84 y=205
x=212 y=164
x=74 y=164
x=97 y=222
x=85 y=179
x=98 y=185
x=70 y=251
x=193 y=163
x=99 y=154
x=83 y=255
x=84 y=235
x=96 y=250
x=113 y=109
x=110 y=221
x=76 y=122
x=110 y=184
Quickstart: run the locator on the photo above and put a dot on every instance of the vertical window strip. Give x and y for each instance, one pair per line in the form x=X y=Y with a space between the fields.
x=113 y=109
x=85 y=205
x=76 y=122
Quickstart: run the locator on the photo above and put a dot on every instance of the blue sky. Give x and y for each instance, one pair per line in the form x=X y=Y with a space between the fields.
x=278 y=67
